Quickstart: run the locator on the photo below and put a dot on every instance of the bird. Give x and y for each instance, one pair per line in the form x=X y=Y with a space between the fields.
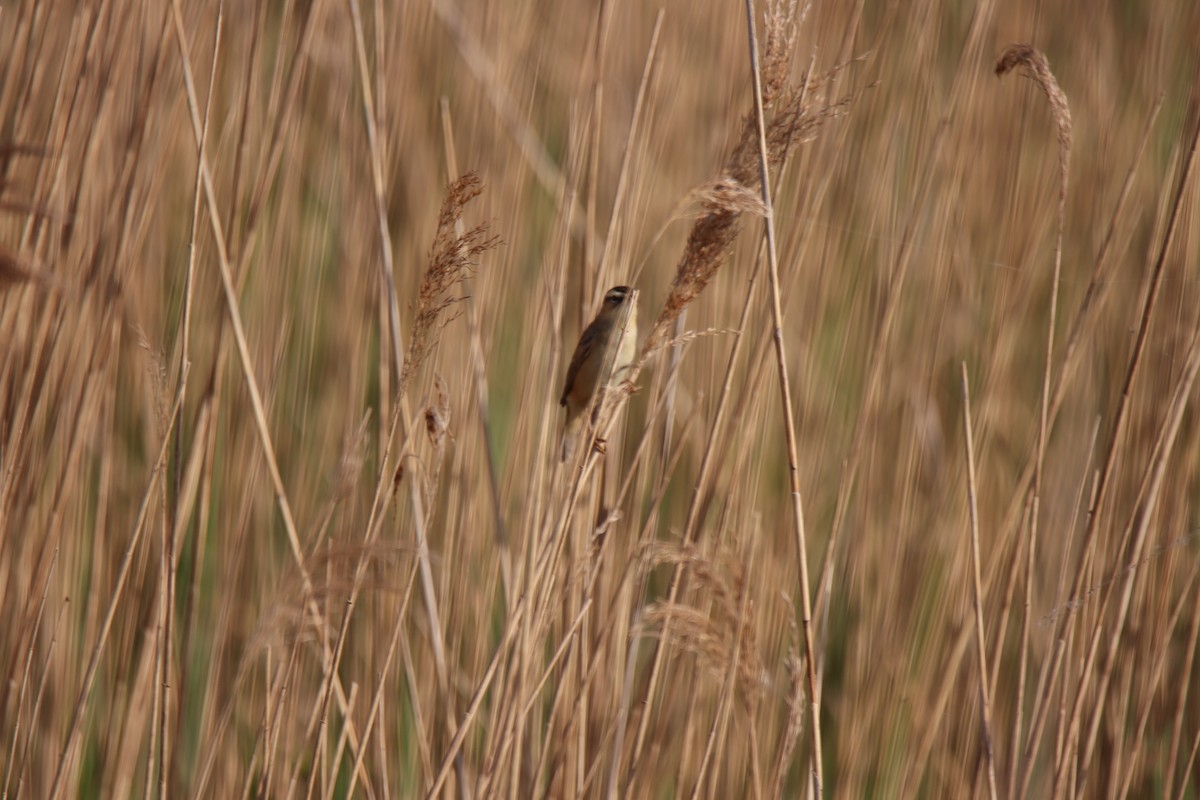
x=605 y=351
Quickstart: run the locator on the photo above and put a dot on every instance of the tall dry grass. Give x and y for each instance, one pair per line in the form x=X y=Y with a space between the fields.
x=286 y=294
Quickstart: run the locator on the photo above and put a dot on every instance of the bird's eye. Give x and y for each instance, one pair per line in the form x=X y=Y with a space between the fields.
x=616 y=296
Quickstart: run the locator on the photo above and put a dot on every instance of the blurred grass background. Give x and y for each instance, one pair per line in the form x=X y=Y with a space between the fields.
x=165 y=636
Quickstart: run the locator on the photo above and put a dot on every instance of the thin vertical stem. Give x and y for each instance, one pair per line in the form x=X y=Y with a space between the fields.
x=785 y=390
x=980 y=635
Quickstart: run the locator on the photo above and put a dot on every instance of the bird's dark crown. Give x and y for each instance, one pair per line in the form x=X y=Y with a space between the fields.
x=617 y=295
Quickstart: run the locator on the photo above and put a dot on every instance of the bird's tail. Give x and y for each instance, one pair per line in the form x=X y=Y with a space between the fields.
x=571 y=436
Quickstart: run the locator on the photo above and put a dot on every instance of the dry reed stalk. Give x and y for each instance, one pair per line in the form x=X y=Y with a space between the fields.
x=546 y=554
x=24 y=684
x=187 y=475
x=690 y=528
x=291 y=164
x=70 y=741
x=795 y=117
x=1191 y=761
x=593 y=647
x=1081 y=326
x=1034 y=65
x=1177 y=724
x=248 y=374
x=244 y=232
x=479 y=373
x=173 y=531
x=1161 y=653
x=37 y=705
x=1134 y=540
x=244 y=229
x=1103 y=489
x=932 y=175
x=331 y=783
x=607 y=266
x=786 y=397
x=1070 y=357
x=450 y=257
x=985 y=694
x=513 y=652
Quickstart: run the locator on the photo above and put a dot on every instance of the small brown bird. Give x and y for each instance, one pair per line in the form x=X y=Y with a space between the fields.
x=604 y=352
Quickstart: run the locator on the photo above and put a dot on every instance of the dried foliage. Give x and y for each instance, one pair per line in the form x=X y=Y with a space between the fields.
x=794 y=113
x=711 y=633
x=250 y=546
x=451 y=260
x=796 y=708
x=1034 y=65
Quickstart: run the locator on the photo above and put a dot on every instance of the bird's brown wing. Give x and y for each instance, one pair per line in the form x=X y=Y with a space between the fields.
x=586 y=342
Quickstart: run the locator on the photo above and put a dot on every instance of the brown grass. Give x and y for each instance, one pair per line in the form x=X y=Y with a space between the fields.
x=286 y=295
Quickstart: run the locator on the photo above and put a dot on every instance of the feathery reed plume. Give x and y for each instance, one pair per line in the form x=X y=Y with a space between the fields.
x=794 y=112
x=711 y=634
x=451 y=258
x=795 y=705
x=1035 y=67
